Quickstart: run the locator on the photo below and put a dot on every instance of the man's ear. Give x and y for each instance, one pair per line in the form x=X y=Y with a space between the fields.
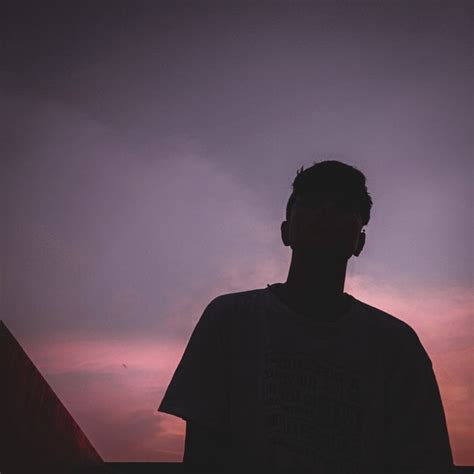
x=360 y=244
x=285 y=233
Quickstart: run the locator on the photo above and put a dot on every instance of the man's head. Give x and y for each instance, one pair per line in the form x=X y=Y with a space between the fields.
x=326 y=211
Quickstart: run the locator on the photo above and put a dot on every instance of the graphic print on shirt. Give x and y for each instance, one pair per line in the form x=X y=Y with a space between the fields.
x=312 y=414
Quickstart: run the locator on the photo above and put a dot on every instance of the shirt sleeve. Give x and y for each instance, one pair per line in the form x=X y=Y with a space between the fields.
x=415 y=423
x=199 y=388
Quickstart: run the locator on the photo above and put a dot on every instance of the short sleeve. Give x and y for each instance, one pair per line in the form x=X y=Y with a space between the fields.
x=416 y=434
x=199 y=388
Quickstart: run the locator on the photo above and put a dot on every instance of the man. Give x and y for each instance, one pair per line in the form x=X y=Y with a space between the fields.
x=301 y=376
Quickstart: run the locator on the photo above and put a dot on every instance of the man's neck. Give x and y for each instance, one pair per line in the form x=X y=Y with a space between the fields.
x=315 y=287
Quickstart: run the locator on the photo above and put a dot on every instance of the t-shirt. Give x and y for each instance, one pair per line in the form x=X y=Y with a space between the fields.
x=354 y=395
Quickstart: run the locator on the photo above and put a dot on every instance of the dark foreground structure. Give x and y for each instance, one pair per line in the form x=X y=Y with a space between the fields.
x=37 y=431
x=39 y=435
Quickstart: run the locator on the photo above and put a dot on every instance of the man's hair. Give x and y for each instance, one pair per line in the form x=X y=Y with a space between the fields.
x=332 y=175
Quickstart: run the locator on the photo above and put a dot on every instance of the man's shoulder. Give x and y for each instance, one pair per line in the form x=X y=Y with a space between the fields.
x=395 y=335
x=384 y=321
x=237 y=298
x=235 y=308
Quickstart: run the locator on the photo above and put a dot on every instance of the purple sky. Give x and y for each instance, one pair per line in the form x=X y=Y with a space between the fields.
x=148 y=150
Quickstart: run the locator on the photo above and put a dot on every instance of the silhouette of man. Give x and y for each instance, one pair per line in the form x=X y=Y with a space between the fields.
x=301 y=376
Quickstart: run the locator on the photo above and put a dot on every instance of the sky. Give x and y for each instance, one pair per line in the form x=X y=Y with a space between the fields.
x=147 y=155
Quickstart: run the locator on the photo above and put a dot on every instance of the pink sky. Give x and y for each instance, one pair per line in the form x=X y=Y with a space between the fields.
x=116 y=405
x=148 y=154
